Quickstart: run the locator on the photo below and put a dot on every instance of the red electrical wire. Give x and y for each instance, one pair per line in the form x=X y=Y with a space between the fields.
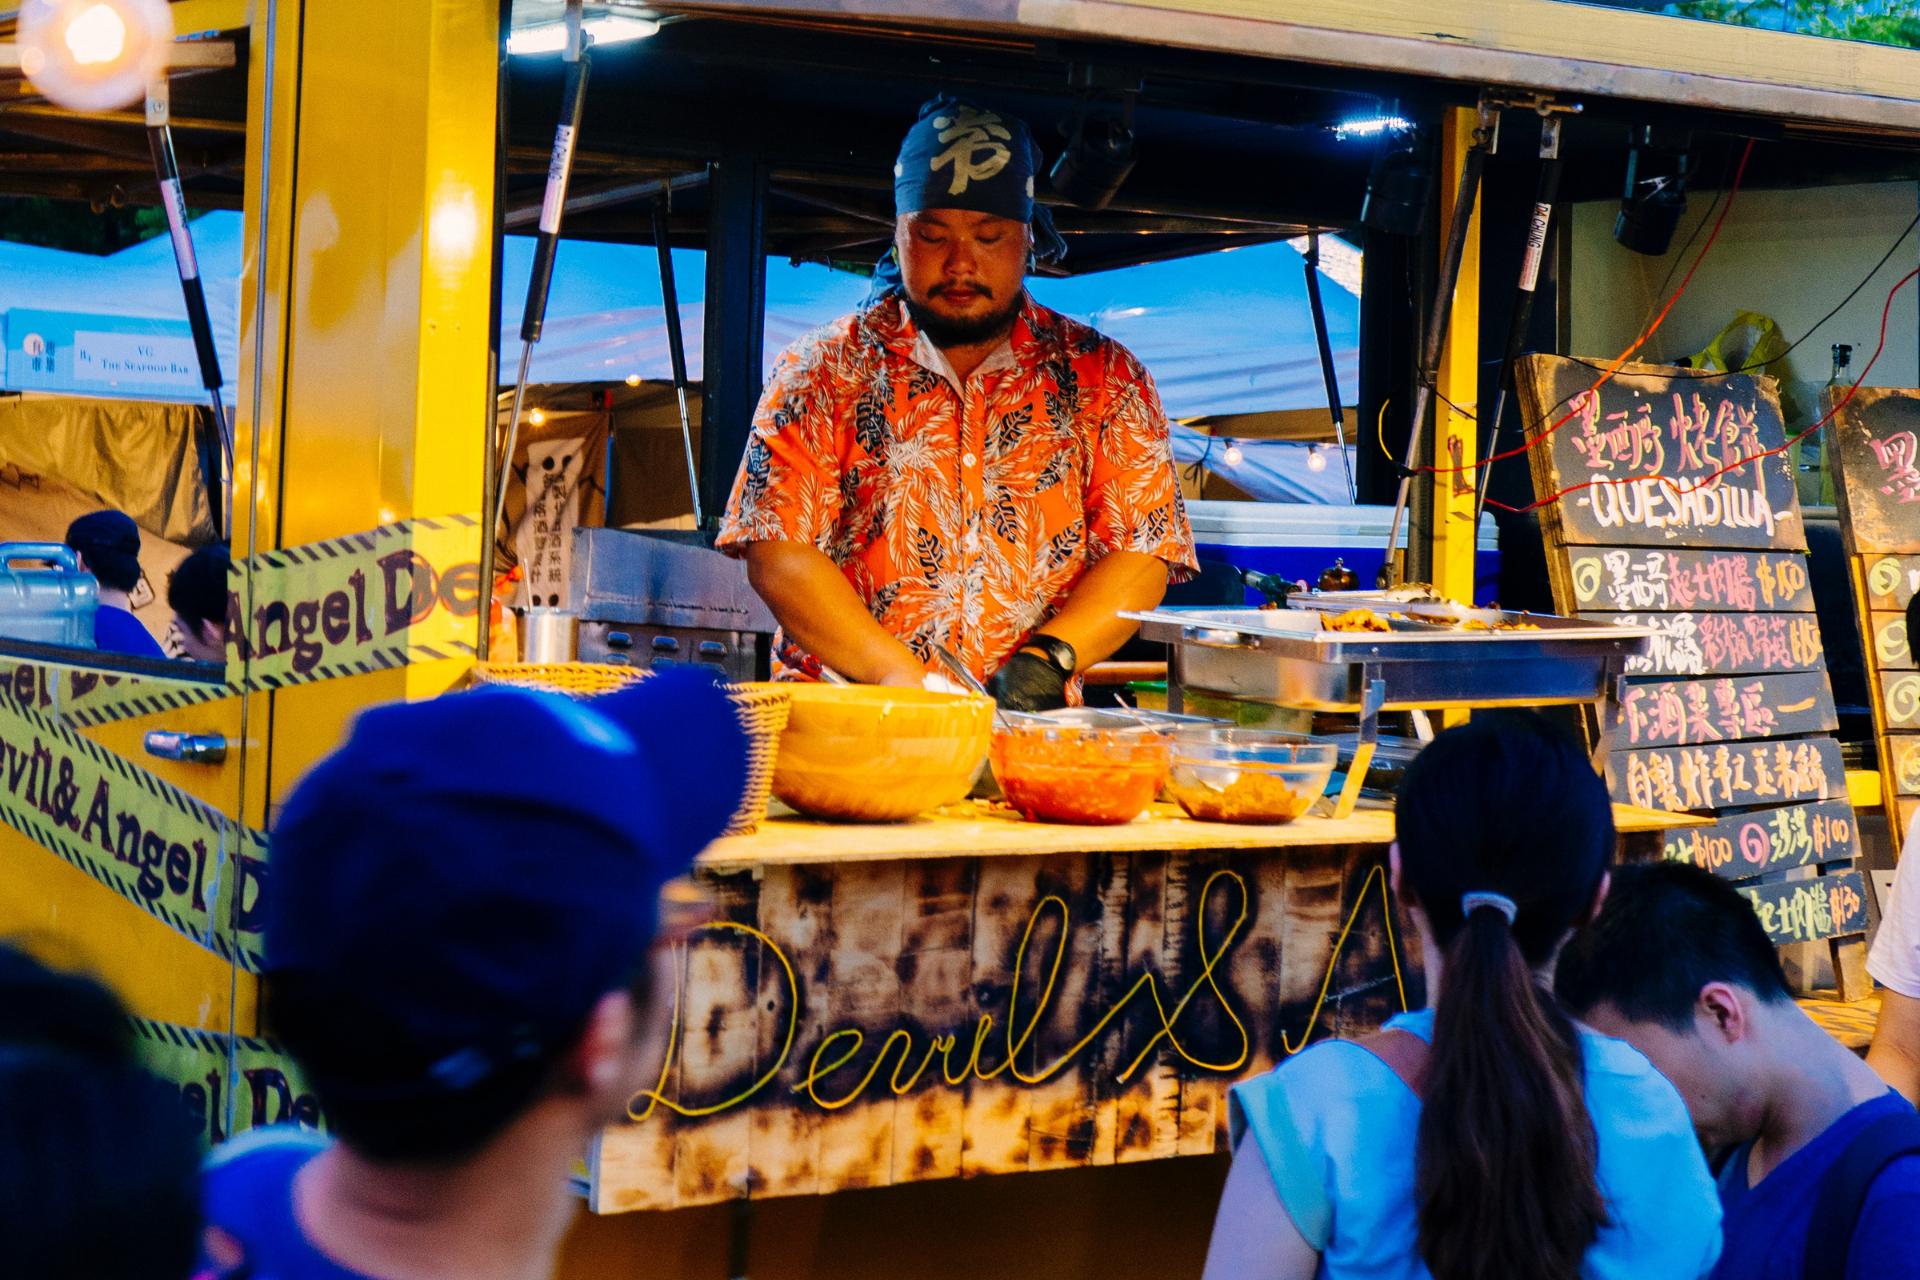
x=1619 y=361
x=1695 y=486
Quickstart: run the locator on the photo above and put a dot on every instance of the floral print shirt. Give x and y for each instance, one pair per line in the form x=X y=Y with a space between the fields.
x=962 y=513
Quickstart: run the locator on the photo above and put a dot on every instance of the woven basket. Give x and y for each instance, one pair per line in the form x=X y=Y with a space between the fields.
x=763 y=712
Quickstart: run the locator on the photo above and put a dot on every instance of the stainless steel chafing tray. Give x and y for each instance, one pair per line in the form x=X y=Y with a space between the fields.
x=1434 y=656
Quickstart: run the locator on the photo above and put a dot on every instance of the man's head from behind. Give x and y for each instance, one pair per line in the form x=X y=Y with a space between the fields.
x=1678 y=966
x=464 y=902
x=963 y=196
x=108 y=543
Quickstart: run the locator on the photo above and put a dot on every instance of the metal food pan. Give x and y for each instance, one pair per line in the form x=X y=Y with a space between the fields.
x=1284 y=657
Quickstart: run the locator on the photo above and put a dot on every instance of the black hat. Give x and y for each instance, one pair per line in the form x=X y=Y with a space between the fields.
x=110 y=541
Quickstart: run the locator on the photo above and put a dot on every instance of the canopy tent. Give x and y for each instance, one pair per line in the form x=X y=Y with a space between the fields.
x=1222 y=333
x=115 y=325
x=1225 y=332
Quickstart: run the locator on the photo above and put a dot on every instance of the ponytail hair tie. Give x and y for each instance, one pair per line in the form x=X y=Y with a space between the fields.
x=1472 y=902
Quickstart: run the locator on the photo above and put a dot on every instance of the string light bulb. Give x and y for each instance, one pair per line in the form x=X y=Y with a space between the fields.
x=1234 y=455
x=1316 y=460
x=94 y=55
x=633 y=379
x=538 y=417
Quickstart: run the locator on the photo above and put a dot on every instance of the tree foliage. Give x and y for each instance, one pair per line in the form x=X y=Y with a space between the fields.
x=1895 y=22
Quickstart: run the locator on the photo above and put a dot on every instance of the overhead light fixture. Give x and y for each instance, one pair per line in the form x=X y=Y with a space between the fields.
x=1399 y=186
x=551 y=37
x=1656 y=193
x=1370 y=127
x=94 y=55
x=1098 y=158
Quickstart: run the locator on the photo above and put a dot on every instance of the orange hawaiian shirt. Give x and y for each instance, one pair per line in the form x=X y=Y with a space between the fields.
x=963 y=514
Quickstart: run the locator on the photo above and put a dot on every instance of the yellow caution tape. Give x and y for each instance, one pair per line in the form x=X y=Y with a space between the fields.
x=228 y=1084
x=177 y=857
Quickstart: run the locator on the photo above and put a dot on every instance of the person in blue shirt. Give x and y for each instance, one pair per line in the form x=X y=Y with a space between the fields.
x=1488 y=1135
x=1678 y=965
x=459 y=956
x=108 y=544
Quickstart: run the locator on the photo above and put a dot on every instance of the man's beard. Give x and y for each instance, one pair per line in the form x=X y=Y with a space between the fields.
x=945 y=331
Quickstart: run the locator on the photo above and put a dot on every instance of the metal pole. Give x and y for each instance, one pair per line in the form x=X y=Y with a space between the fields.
x=1539 y=236
x=1327 y=373
x=187 y=263
x=533 y=317
x=676 y=345
x=1485 y=137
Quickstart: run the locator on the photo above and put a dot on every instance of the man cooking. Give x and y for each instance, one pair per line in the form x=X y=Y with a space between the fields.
x=955 y=466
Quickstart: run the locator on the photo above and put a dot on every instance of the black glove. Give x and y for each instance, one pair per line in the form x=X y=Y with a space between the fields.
x=1028 y=683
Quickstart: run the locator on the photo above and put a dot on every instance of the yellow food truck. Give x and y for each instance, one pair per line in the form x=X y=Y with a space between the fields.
x=378 y=159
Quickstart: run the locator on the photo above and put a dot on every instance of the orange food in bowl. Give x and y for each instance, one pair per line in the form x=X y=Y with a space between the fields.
x=867 y=754
x=1099 y=777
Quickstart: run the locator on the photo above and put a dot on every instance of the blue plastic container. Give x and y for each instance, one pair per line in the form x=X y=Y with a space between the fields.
x=45 y=596
x=1296 y=541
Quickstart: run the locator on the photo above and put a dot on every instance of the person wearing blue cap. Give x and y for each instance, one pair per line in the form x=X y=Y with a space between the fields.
x=458 y=953
x=108 y=544
x=955 y=466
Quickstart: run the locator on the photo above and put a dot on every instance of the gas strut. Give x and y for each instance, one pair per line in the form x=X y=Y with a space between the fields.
x=540 y=282
x=1539 y=238
x=187 y=263
x=1327 y=374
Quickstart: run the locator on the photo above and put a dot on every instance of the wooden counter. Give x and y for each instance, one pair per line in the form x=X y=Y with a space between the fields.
x=978 y=829
x=973 y=994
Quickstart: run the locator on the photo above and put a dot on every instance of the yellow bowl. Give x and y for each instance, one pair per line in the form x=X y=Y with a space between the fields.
x=879 y=755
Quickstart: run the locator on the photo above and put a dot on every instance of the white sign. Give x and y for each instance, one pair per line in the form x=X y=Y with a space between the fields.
x=544 y=539
x=150 y=360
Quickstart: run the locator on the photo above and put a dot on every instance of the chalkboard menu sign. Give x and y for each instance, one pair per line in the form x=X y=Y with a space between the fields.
x=1876 y=452
x=1665 y=508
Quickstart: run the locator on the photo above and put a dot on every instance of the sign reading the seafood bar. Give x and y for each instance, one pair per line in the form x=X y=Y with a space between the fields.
x=1662 y=457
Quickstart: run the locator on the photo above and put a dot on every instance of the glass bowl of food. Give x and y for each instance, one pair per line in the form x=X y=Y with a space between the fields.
x=1248 y=775
x=1093 y=770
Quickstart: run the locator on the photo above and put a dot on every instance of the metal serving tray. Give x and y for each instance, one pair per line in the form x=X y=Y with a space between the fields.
x=1424 y=662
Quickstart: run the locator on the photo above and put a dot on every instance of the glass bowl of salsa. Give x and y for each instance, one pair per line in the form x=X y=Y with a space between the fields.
x=1089 y=768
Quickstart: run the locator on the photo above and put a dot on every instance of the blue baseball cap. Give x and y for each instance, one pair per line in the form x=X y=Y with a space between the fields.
x=471 y=874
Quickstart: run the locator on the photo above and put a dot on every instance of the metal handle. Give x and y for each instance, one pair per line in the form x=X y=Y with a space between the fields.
x=188 y=748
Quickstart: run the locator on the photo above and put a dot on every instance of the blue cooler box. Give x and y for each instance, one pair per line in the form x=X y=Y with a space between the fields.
x=1294 y=540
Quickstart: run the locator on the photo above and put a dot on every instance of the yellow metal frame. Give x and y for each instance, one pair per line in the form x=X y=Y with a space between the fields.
x=1455 y=437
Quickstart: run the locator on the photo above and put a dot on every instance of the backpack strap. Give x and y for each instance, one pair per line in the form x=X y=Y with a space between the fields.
x=1405 y=1054
x=1843 y=1191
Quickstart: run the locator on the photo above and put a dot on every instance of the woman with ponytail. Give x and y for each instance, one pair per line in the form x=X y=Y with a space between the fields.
x=1487 y=1136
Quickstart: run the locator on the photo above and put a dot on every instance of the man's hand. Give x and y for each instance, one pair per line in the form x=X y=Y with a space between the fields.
x=1028 y=683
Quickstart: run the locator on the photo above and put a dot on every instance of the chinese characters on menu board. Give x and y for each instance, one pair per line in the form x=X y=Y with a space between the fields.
x=1876 y=451
x=1671 y=510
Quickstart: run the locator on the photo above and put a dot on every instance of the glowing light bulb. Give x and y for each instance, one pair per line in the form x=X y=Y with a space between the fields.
x=94 y=55
x=633 y=379
x=1316 y=460
x=97 y=36
x=1234 y=455
x=537 y=417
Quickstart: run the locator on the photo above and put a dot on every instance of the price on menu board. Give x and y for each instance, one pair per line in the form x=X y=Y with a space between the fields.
x=1675 y=713
x=1808 y=910
x=1663 y=457
x=1636 y=580
x=1681 y=779
x=1877 y=448
x=1741 y=845
x=1698 y=644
